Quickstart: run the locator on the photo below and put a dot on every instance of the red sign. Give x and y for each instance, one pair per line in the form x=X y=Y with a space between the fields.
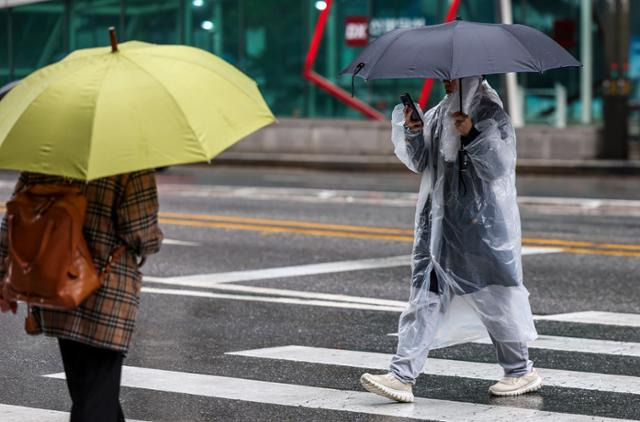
x=564 y=32
x=356 y=31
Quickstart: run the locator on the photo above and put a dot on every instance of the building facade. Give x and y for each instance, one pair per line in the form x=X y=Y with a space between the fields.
x=269 y=39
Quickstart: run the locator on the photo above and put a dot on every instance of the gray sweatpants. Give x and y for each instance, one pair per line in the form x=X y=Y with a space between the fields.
x=417 y=330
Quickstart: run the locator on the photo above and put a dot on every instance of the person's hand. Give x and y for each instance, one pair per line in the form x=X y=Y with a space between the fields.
x=462 y=122
x=413 y=125
x=7 y=305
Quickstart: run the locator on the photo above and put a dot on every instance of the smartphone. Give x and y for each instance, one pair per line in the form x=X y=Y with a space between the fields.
x=408 y=102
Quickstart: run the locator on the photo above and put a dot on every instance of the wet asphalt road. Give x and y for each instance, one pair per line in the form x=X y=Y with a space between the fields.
x=240 y=220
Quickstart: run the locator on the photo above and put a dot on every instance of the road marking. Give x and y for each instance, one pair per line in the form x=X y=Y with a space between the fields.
x=390 y=198
x=213 y=279
x=365 y=232
x=179 y=242
x=327 y=398
x=295 y=297
x=581 y=345
x=207 y=280
x=271 y=229
x=561 y=242
x=400 y=305
x=445 y=368
x=531 y=250
x=270 y=299
x=288 y=223
x=595 y=317
x=395 y=199
x=581 y=251
x=30 y=414
x=576 y=345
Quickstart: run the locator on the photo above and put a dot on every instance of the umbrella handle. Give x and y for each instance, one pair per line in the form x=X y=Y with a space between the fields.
x=114 y=41
x=460 y=89
x=353 y=78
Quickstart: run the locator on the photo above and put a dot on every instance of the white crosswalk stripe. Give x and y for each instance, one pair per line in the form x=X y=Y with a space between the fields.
x=594 y=317
x=577 y=345
x=581 y=345
x=331 y=399
x=11 y=413
x=446 y=367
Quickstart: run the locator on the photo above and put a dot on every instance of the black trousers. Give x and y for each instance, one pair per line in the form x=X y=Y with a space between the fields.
x=93 y=378
x=433 y=282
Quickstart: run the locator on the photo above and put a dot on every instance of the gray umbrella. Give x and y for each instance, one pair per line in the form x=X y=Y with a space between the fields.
x=458 y=49
x=4 y=90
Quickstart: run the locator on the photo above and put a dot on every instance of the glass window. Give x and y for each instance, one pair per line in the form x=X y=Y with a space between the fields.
x=154 y=22
x=37 y=36
x=90 y=21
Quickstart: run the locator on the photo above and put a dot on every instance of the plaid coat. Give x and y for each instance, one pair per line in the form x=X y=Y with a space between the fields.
x=121 y=209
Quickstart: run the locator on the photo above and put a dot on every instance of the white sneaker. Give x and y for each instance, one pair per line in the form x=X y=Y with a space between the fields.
x=514 y=386
x=387 y=385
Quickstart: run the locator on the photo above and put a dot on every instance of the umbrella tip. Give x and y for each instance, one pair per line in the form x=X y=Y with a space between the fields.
x=114 y=41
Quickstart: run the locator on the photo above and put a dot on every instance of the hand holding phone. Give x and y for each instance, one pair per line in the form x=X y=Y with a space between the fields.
x=408 y=102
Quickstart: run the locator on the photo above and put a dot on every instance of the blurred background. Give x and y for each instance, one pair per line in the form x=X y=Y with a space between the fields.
x=596 y=108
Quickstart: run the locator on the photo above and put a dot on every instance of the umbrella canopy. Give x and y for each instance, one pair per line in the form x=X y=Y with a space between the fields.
x=458 y=49
x=106 y=111
x=4 y=90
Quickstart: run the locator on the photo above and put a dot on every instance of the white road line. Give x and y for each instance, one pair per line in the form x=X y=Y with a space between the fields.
x=206 y=280
x=209 y=280
x=297 y=297
x=10 y=413
x=538 y=250
x=395 y=199
x=595 y=317
x=388 y=198
x=445 y=367
x=269 y=299
x=581 y=345
x=576 y=344
x=327 y=398
x=306 y=295
x=179 y=242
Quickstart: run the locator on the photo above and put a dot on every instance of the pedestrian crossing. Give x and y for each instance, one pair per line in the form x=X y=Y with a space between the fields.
x=331 y=399
x=263 y=389
x=354 y=401
x=445 y=367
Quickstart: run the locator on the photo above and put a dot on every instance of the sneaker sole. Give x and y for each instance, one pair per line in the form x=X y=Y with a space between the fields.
x=530 y=388
x=381 y=390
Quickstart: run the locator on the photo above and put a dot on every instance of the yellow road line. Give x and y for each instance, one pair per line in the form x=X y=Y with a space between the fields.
x=272 y=229
x=600 y=252
x=266 y=225
x=283 y=225
x=572 y=243
x=288 y=223
x=360 y=235
x=554 y=242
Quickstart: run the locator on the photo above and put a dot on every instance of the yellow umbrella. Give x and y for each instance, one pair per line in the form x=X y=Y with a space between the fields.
x=106 y=111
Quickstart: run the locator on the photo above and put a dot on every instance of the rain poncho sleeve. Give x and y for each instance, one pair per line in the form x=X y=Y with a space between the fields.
x=411 y=148
x=493 y=151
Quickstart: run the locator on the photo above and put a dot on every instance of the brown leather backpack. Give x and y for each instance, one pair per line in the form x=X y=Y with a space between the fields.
x=49 y=263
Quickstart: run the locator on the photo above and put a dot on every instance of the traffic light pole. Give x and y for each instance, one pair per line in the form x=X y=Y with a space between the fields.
x=614 y=142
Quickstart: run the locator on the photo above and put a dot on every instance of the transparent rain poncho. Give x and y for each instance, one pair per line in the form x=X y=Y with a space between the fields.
x=467 y=226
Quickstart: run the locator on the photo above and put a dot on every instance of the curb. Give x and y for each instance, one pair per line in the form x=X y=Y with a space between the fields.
x=391 y=163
